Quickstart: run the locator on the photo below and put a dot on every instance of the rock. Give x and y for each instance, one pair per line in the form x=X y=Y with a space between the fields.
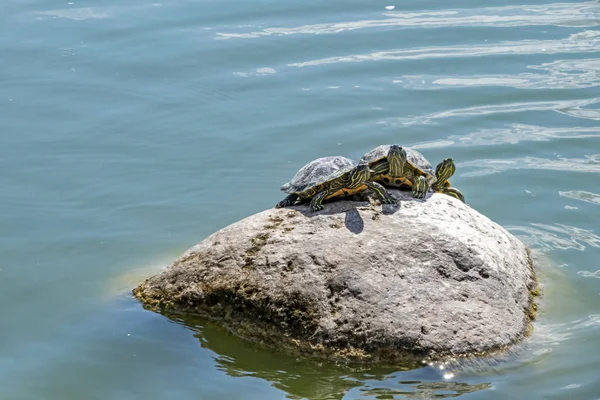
x=357 y=282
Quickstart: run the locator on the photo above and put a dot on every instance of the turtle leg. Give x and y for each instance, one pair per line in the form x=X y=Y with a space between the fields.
x=316 y=204
x=454 y=192
x=381 y=193
x=288 y=201
x=420 y=187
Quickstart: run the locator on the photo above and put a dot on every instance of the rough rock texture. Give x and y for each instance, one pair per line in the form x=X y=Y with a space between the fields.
x=358 y=281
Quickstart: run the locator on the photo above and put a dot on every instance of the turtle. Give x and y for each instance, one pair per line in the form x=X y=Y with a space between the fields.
x=443 y=171
x=403 y=167
x=329 y=177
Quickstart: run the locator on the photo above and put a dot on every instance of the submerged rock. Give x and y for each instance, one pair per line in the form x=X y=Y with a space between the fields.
x=419 y=279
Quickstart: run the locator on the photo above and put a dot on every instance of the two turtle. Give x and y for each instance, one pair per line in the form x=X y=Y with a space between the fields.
x=392 y=165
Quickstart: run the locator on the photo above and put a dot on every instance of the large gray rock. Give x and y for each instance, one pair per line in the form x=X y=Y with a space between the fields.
x=355 y=281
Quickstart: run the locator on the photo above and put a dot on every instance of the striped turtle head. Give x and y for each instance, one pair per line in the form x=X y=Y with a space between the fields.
x=445 y=170
x=360 y=174
x=396 y=158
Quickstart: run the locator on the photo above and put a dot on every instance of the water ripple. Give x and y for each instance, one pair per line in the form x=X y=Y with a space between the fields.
x=424 y=390
x=546 y=237
x=582 y=42
x=558 y=14
x=589 y=274
x=561 y=74
x=578 y=112
x=513 y=134
x=563 y=106
x=589 y=164
x=555 y=333
x=583 y=196
x=77 y=14
x=592 y=321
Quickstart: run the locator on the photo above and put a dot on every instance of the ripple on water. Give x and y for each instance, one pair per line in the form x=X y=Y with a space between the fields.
x=258 y=72
x=512 y=134
x=578 y=112
x=557 y=14
x=589 y=164
x=424 y=390
x=569 y=107
x=554 y=334
x=76 y=14
x=546 y=237
x=589 y=274
x=588 y=197
x=582 y=42
x=560 y=74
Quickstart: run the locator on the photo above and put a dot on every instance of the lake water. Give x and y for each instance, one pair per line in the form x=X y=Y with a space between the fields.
x=132 y=130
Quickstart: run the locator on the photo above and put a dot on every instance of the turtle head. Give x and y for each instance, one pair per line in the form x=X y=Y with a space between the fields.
x=444 y=171
x=360 y=174
x=396 y=159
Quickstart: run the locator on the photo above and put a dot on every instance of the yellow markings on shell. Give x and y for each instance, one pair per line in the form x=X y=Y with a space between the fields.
x=391 y=181
x=346 y=192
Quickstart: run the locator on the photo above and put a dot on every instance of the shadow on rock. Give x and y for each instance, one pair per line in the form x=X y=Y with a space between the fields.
x=330 y=208
x=354 y=221
x=389 y=209
x=349 y=205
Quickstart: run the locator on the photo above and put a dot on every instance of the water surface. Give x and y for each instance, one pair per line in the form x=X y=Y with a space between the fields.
x=132 y=130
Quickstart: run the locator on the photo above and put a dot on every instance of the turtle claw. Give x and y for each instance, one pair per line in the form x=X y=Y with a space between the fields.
x=420 y=187
x=316 y=207
x=388 y=200
x=453 y=192
x=283 y=203
x=288 y=201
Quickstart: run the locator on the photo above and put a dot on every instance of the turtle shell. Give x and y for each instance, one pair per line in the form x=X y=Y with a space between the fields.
x=318 y=171
x=413 y=156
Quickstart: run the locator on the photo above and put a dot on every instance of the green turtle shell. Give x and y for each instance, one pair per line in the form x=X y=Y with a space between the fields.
x=413 y=156
x=317 y=172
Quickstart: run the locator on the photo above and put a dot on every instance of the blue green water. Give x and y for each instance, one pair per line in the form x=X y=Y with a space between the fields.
x=131 y=130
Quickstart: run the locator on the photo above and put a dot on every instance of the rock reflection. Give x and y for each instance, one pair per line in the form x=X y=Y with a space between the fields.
x=299 y=377
x=308 y=378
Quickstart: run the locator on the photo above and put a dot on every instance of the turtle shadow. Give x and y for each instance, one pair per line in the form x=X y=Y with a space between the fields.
x=350 y=206
x=354 y=222
x=331 y=207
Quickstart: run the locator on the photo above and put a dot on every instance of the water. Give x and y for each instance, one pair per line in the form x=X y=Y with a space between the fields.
x=132 y=130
